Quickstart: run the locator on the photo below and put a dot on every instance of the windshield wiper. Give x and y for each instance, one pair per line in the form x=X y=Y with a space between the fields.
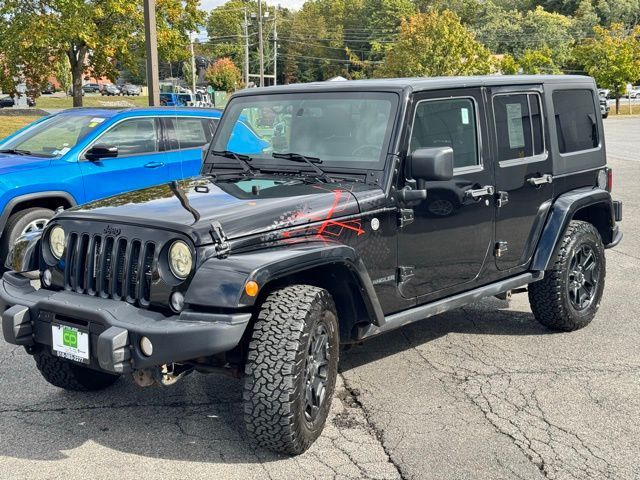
x=15 y=151
x=312 y=161
x=242 y=159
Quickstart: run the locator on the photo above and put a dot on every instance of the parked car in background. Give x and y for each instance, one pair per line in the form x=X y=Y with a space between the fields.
x=87 y=154
x=175 y=99
x=604 y=92
x=91 y=87
x=128 y=89
x=48 y=89
x=110 y=90
x=8 y=102
x=604 y=107
x=633 y=93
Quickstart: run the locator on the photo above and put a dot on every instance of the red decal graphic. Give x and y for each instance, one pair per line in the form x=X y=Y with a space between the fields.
x=329 y=228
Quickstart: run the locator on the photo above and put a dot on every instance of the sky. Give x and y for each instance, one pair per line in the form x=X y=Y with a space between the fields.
x=209 y=4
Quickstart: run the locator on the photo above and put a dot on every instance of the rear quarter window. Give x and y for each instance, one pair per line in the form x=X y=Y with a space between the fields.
x=576 y=120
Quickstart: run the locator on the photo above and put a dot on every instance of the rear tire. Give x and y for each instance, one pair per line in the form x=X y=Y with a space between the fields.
x=569 y=295
x=18 y=224
x=291 y=369
x=69 y=376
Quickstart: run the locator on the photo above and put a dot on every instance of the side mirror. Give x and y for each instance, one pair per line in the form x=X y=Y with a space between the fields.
x=431 y=164
x=98 y=152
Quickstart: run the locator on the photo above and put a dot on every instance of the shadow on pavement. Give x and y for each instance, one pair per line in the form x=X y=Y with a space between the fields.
x=488 y=317
x=200 y=418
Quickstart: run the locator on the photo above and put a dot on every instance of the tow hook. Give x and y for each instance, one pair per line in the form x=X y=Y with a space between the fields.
x=165 y=375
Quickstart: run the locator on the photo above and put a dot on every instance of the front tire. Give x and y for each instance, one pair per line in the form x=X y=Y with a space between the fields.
x=69 y=376
x=569 y=296
x=291 y=369
x=24 y=221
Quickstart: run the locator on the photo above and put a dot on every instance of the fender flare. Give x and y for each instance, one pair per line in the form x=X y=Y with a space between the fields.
x=219 y=283
x=4 y=217
x=562 y=212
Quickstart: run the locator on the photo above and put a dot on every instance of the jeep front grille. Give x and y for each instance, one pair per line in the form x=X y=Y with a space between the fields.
x=109 y=267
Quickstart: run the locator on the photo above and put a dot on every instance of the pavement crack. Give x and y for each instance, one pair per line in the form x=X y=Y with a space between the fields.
x=36 y=409
x=355 y=402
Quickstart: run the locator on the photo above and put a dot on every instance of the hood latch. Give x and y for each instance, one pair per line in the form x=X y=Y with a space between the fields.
x=220 y=239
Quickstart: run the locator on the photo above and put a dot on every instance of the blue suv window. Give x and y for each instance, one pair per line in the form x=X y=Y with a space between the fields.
x=188 y=132
x=132 y=137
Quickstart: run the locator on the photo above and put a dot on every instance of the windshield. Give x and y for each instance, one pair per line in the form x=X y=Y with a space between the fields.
x=55 y=136
x=343 y=129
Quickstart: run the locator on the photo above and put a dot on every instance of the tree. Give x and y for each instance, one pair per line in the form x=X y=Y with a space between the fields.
x=20 y=56
x=95 y=34
x=434 y=43
x=612 y=57
x=536 y=62
x=509 y=66
x=223 y=75
x=515 y=33
x=63 y=74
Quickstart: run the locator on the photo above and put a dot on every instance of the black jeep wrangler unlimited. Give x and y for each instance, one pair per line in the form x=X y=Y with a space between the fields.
x=375 y=204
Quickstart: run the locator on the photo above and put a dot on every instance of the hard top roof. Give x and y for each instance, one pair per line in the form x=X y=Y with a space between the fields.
x=421 y=84
x=113 y=111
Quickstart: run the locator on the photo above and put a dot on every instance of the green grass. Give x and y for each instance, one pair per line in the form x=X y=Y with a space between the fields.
x=48 y=101
x=8 y=124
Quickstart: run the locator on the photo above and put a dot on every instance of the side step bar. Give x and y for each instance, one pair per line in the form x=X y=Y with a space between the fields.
x=421 y=312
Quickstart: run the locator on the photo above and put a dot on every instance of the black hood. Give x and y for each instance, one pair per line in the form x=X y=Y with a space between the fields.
x=243 y=206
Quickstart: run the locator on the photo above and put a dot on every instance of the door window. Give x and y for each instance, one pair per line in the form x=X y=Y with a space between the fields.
x=188 y=132
x=576 y=123
x=132 y=137
x=518 y=122
x=447 y=123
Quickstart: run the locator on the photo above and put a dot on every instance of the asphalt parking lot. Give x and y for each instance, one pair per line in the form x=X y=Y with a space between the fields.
x=483 y=392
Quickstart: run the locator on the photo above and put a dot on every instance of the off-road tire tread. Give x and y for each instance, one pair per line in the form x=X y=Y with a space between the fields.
x=65 y=375
x=270 y=381
x=546 y=296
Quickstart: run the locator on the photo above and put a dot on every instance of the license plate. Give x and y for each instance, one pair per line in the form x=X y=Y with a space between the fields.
x=70 y=343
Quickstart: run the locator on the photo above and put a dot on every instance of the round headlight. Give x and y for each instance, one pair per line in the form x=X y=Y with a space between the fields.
x=57 y=241
x=180 y=259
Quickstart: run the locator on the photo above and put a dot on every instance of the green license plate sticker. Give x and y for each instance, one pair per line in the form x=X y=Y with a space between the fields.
x=70 y=343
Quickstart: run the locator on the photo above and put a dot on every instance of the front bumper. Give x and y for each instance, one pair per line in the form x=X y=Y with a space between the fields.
x=115 y=327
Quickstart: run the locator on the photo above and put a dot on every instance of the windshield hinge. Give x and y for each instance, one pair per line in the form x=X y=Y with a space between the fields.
x=220 y=239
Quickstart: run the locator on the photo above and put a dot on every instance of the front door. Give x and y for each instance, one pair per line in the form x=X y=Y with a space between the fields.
x=523 y=173
x=139 y=163
x=446 y=244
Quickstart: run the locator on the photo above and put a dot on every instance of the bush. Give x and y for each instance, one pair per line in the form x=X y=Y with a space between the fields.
x=223 y=75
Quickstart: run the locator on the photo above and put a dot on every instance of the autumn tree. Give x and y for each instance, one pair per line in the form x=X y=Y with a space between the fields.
x=537 y=62
x=612 y=57
x=95 y=34
x=432 y=44
x=223 y=75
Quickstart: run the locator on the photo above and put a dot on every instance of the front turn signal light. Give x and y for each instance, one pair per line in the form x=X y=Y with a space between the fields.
x=251 y=288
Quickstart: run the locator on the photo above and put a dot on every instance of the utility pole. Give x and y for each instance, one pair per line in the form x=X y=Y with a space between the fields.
x=275 y=46
x=260 y=43
x=193 y=66
x=246 y=49
x=151 y=43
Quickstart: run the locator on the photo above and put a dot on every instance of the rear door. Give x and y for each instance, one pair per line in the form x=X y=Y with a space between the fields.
x=184 y=138
x=523 y=171
x=139 y=163
x=446 y=244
